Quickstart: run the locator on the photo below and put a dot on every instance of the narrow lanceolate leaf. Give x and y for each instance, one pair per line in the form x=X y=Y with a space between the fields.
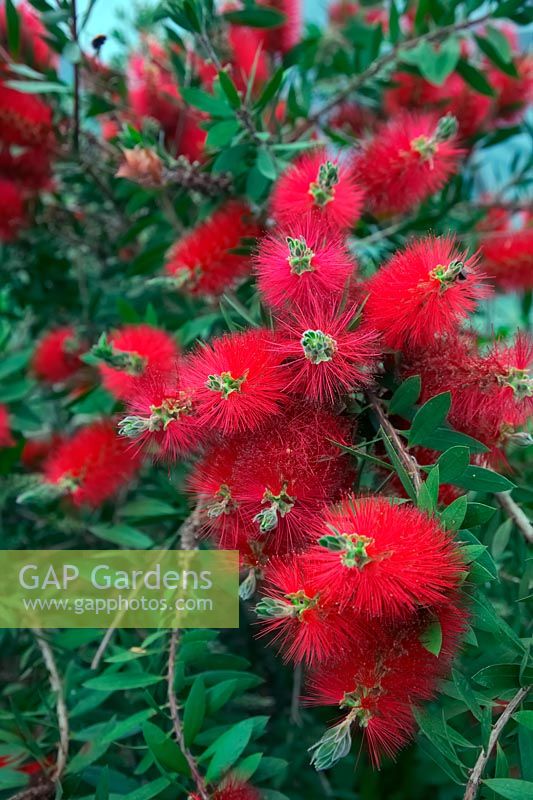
x=453 y=515
x=194 y=711
x=164 y=749
x=510 y=788
x=405 y=395
x=452 y=463
x=428 y=417
x=479 y=479
x=13 y=28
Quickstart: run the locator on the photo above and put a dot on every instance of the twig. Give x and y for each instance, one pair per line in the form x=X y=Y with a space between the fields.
x=407 y=460
x=514 y=511
x=474 y=780
x=375 y=68
x=42 y=790
x=76 y=127
x=95 y=663
x=61 y=706
x=176 y=720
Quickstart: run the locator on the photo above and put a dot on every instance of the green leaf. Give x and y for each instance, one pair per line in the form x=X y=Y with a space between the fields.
x=248 y=766
x=164 y=749
x=437 y=63
x=229 y=89
x=219 y=694
x=511 y=789
x=394 y=23
x=524 y=718
x=428 y=494
x=221 y=133
x=474 y=77
x=479 y=479
x=481 y=555
x=501 y=538
x=227 y=748
x=403 y=475
x=453 y=515
x=477 y=514
x=147 y=508
x=496 y=54
x=271 y=89
x=452 y=463
x=206 y=102
x=256 y=17
x=405 y=395
x=121 y=681
x=102 y=788
x=194 y=711
x=150 y=790
x=442 y=438
x=123 y=535
x=431 y=637
x=13 y=28
x=266 y=164
x=502 y=677
x=14 y=362
x=428 y=417
x=38 y=87
x=467 y=693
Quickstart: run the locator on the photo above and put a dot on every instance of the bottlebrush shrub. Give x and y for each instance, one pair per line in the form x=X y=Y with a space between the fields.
x=316 y=215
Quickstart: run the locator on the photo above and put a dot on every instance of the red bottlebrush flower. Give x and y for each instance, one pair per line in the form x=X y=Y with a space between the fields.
x=498 y=383
x=317 y=184
x=285 y=36
x=25 y=119
x=342 y=11
x=326 y=358
x=304 y=623
x=237 y=382
x=247 y=57
x=13 y=211
x=355 y=120
x=161 y=417
x=91 y=465
x=286 y=473
x=30 y=169
x=302 y=264
x=383 y=559
x=409 y=159
x=202 y=263
x=6 y=438
x=507 y=250
x=33 y=49
x=422 y=292
x=471 y=109
x=235 y=789
x=56 y=357
x=35 y=451
x=214 y=481
x=513 y=94
x=135 y=349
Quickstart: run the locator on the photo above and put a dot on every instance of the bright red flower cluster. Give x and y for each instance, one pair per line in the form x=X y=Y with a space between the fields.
x=91 y=465
x=204 y=262
x=507 y=249
x=26 y=136
x=56 y=357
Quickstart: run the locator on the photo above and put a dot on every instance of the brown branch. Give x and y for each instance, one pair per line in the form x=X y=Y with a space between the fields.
x=472 y=787
x=95 y=663
x=176 y=720
x=515 y=513
x=375 y=68
x=407 y=460
x=43 y=790
x=61 y=706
